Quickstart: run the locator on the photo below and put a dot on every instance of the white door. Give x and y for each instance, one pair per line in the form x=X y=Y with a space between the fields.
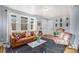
x=44 y=26
x=50 y=27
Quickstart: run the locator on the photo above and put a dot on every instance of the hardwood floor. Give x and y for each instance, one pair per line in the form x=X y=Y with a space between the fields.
x=1 y=49
x=70 y=50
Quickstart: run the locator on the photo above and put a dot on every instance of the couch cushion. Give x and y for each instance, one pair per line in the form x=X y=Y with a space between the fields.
x=19 y=35
x=22 y=35
x=32 y=33
x=22 y=40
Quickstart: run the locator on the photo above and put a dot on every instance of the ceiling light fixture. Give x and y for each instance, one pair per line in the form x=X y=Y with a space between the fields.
x=45 y=9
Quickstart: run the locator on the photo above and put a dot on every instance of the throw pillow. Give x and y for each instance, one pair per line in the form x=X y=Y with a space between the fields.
x=17 y=35
x=21 y=34
x=54 y=33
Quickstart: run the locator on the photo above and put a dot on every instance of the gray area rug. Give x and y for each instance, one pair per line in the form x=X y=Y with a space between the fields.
x=50 y=47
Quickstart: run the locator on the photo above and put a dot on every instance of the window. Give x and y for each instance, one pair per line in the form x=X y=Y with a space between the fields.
x=56 y=20
x=24 y=23
x=31 y=25
x=39 y=24
x=55 y=25
x=60 y=24
x=60 y=19
x=67 y=24
x=67 y=18
x=32 y=19
x=13 y=22
x=13 y=26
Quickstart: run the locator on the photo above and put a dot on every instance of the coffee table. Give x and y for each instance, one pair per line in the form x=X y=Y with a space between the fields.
x=36 y=44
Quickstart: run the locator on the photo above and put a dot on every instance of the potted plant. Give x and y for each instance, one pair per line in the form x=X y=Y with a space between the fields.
x=37 y=37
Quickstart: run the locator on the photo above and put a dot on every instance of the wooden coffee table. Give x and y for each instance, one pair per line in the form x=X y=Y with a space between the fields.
x=36 y=44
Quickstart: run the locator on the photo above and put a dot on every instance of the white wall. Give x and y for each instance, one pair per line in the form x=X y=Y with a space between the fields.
x=74 y=24
x=3 y=24
x=44 y=26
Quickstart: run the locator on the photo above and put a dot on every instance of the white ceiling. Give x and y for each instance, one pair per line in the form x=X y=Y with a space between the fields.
x=46 y=11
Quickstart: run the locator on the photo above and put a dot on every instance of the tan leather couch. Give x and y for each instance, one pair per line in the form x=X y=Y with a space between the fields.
x=15 y=42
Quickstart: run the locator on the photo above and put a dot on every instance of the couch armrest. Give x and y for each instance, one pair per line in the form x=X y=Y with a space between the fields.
x=31 y=37
x=61 y=41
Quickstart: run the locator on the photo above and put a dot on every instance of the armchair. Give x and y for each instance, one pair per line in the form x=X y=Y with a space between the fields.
x=64 y=38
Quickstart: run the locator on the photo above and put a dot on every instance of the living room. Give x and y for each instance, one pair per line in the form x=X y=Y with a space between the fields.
x=39 y=28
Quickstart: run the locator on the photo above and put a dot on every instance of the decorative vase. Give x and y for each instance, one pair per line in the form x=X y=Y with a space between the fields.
x=39 y=39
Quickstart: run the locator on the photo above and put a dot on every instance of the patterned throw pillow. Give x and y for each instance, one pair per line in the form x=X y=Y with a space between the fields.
x=17 y=36
x=56 y=33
